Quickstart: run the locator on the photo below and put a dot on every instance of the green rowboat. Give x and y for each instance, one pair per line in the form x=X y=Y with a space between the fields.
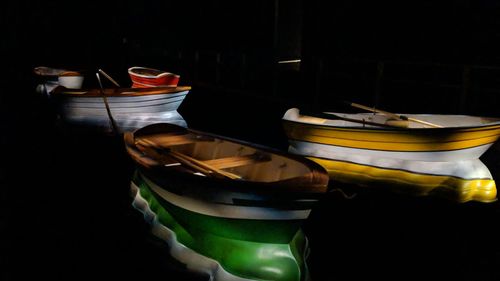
x=227 y=208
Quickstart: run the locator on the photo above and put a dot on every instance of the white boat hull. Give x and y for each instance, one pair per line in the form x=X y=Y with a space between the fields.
x=426 y=156
x=466 y=169
x=128 y=112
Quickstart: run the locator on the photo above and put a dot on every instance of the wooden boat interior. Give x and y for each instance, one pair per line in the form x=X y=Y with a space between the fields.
x=212 y=156
x=375 y=120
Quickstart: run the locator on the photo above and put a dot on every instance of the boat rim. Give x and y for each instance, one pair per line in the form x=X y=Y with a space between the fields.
x=389 y=128
x=118 y=92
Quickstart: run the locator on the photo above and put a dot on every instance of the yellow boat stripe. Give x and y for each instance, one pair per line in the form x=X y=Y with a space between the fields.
x=402 y=147
x=391 y=142
x=394 y=135
x=494 y=126
x=461 y=190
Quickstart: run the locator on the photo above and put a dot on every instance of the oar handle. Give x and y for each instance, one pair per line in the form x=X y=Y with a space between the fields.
x=109 y=78
x=328 y=115
x=424 y=122
x=376 y=110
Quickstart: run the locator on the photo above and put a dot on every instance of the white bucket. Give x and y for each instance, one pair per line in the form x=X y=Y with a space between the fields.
x=71 y=82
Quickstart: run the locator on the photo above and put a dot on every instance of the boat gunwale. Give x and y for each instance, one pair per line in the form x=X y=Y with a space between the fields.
x=287 y=190
x=493 y=125
x=61 y=91
x=393 y=150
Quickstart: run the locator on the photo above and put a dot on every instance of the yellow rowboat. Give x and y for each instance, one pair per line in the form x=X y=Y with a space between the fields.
x=368 y=149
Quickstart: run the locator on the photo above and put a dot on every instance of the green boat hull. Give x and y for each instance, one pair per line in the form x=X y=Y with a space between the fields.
x=240 y=247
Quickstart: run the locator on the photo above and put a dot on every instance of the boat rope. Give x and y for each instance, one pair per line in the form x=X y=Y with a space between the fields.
x=342 y=192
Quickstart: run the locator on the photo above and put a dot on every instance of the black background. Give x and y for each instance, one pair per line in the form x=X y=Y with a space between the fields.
x=65 y=203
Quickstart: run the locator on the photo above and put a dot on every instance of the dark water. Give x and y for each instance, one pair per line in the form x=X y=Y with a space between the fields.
x=66 y=210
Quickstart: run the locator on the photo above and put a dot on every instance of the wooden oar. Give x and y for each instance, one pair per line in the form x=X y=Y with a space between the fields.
x=395 y=116
x=106 y=104
x=206 y=166
x=188 y=161
x=109 y=77
x=324 y=116
x=362 y=121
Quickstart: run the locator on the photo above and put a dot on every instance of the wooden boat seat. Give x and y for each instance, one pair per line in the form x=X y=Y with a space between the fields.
x=237 y=161
x=146 y=145
x=151 y=143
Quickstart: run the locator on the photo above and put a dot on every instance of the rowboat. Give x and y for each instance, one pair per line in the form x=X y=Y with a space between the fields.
x=120 y=109
x=368 y=149
x=49 y=78
x=227 y=208
x=144 y=77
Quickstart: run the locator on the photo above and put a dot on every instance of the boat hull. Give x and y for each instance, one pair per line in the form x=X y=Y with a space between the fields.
x=213 y=235
x=459 y=181
x=129 y=112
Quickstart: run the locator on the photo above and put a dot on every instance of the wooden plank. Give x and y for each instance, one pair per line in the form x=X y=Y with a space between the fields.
x=185 y=159
x=174 y=140
x=236 y=161
x=159 y=152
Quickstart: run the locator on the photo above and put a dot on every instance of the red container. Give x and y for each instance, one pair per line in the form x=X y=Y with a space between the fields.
x=143 y=77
